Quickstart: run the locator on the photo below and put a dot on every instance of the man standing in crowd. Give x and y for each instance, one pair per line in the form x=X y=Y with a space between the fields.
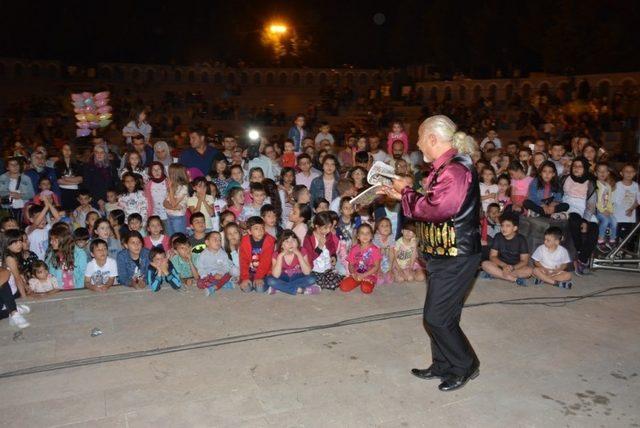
x=229 y=144
x=447 y=228
x=200 y=155
x=40 y=170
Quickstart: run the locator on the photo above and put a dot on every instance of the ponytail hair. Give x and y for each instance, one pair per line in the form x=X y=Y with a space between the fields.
x=465 y=144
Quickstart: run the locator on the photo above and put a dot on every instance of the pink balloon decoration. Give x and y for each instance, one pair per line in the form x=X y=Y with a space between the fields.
x=102 y=103
x=83 y=132
x=82 y=125
x=86 y=95
x=101 y=95
x=76 y=97
x=104 y=109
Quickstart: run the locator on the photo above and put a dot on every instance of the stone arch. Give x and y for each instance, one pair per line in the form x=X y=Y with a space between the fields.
x=526 y=91
x=309 y=79
x=544 y=88
x=350 y=79
x=177 y=76
x=18 y=69
x=584 y=90
x=362 y=80
x=270 y=78
x=627 y=86
x=282 y=80
x=493 y=91
x=163 y=75
x=231 y=78
x=244 y=78
x=118 y=73
x=104 y=72
x=52 y=71
x=462 y=93
x=477 y=92
x=204 y=77
x=433 y=94
x=508 y=91
x=257 y=78
x=191 y=76
x=35 y=70
x=604 y=88
x=217 y=78
x=295 y=79
x=447 y=93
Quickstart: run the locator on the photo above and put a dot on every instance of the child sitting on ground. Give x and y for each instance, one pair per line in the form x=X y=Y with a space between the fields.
x=155 y=234
x=42 y=282
x=102 y=271
x=270 y=217
x=320 y=247
x=364 y=262
x=298 y=218
x=489 y=228
x=520 y=183
x=509 y=255
x=196 y=240
x=385 y=242
x=133 y=261
x=258 y=197
x=551 y=260
x=256 y=253
x=161 y=271
x=214 y=266
x=183 y=259
x=291 y=271
x=406 y=266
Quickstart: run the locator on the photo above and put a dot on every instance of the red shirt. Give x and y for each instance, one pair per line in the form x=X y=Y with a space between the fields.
x=264 y=258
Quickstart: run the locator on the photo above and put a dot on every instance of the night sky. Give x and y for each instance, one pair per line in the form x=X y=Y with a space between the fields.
x=476 y=38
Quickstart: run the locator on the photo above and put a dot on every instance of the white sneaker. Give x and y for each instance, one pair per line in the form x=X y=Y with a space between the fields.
x=18 y=320
x=23 y=309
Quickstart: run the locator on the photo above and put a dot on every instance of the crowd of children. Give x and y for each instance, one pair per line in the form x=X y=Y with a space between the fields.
x=233 y=227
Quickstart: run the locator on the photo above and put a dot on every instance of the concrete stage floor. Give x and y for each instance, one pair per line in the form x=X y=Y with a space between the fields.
x=575 y=364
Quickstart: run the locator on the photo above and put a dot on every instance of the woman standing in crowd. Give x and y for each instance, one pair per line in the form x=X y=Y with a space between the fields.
x=15 y=188
x=99 y=174
x=138 y=124
x=579 y=189
x=69 y=172
x=326 y=186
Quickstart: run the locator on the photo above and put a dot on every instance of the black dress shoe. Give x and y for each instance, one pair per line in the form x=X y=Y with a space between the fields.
x=451 y=383
x=426 y=373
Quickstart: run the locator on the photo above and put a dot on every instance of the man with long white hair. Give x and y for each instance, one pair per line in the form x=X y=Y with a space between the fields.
x=447 y=227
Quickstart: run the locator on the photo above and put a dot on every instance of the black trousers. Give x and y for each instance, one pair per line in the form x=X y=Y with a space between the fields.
x=449 y=281
x=7 y=301
x=585 y=243
x=532 y=206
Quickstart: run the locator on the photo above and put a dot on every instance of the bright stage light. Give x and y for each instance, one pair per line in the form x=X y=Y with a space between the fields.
x=277 y=29
x=254 y=135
